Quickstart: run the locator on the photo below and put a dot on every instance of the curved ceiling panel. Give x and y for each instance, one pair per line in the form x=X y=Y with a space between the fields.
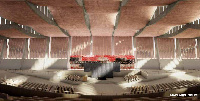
x=188 y=33
x=70 y=18
x=68 y=15
x=102 y=14
x=13 y=33
x=184 y=12
x=21 y=13
x=54 y=2
x=150 y=2
x=133 y=18
x=124 y=32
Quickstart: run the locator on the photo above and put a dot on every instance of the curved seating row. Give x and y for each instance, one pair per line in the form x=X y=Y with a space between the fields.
x=145 y=89
x=73 y=77
x=6 y=97
x=131 y=78
x=42 y=87
x=158 y=99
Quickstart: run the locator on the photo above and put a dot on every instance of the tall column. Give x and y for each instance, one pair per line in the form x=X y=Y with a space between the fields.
x=157 y=51
x=47 y=47
x=178 y=49
x=25 y=53
x=69 y=51
x=178 y=53
x=198 y=48
x=134 y=50
x=91 y=45
x=175 y=48
x=3 y=49
x=50 y=47
x=112 y=45
x=46 y=52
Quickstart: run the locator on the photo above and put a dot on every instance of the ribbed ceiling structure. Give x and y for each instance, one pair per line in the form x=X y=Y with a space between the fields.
x=64 y=18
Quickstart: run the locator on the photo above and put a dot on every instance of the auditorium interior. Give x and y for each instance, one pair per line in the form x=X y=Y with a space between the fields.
x=99 y=50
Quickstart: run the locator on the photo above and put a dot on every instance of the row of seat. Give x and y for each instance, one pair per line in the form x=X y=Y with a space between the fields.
x=6 y=97
x=145 y=89
x=76 y=66
x=122 y=66
x=73 y=77
x=131 y=78
x=43 y=87
x=158 y=99
x=127 y=66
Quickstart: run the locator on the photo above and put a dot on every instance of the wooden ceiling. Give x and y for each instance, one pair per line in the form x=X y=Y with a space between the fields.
x=99 y=17
x=184 y=12
x=13 y=33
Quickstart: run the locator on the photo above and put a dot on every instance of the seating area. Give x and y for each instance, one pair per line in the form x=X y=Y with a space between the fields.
x=127 y=66
x=146 y=89
x=73 y=77
x=42 y=87
x=76 y=66
x=158 y=99
x=6 y=97
x=126 y=61
x=131 y=78
x=138 y=93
